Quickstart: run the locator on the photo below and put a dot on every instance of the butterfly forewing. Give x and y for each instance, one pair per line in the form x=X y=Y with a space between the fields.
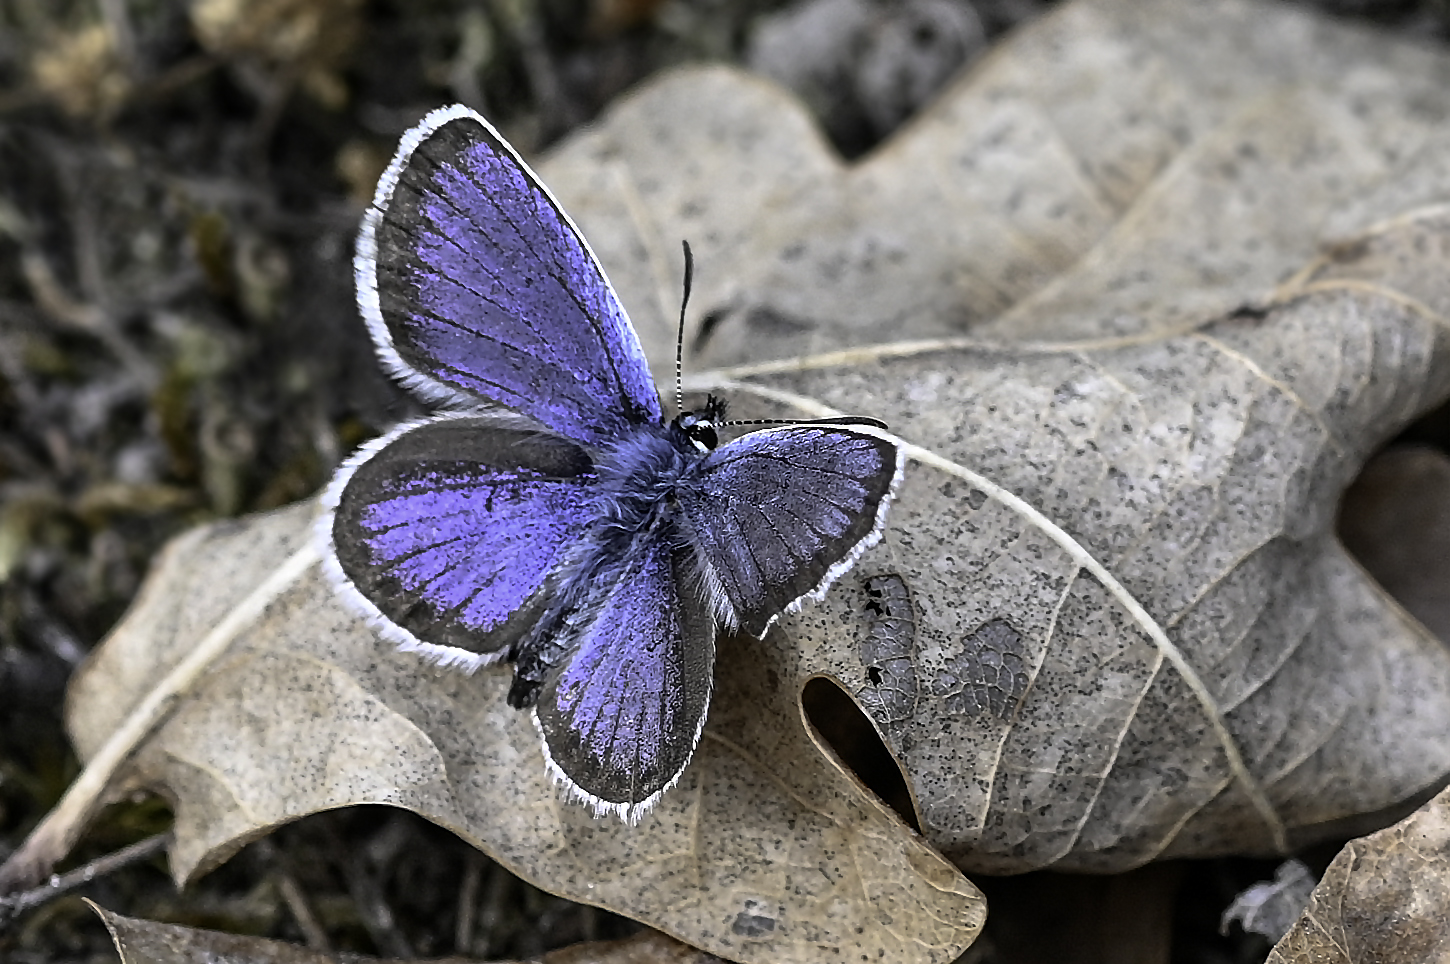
x=448 y=527
x=621 y=715
x=777 y=514
x=478 y=287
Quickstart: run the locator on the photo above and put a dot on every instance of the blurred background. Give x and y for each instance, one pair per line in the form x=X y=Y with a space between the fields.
x=180 y=183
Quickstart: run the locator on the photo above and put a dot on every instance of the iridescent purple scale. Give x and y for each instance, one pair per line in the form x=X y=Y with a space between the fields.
x=441 y=545
x=448 y=527
x=621 y=715
x=484 y=289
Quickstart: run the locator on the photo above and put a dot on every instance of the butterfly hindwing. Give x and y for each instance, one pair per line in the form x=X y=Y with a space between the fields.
x=778 y=514
x=477 y=287
x=447 y=529
x=622 y=712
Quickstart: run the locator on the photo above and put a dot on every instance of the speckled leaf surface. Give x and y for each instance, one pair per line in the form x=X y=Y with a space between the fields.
x=1385 y=898
x=1139 y=296
x=1120 y=167
x=1133 y=633
x=139 y=941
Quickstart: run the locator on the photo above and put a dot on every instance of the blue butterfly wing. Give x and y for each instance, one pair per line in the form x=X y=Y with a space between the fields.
x=777 y=515
x=445 y=531
x=622 y=712
x=477 y=287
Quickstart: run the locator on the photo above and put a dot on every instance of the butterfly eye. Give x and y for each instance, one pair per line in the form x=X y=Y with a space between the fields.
x=699 y=430
x=702 y=433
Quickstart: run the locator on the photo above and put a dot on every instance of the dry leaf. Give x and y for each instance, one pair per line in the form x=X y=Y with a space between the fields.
x=1110 y=620
x=150 y=942
x=1118 y=168
x=304 y=711
x=84 y=72
x=1385 y=898
x=1135 y=634
x=1095 y=205
x=1270 y=907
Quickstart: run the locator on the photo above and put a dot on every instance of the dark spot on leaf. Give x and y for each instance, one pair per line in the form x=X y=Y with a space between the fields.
x=888 y=649
x=1067 y=392
x=755 y=920
x=708 y=326
x=988 y=676
x=776 y=322
x=1248 y=313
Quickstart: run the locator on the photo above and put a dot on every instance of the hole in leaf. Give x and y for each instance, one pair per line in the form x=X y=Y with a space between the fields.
x=1395 y=519
x=838 y=724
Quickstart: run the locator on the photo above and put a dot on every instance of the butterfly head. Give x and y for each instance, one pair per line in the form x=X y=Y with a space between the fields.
x=700 y=427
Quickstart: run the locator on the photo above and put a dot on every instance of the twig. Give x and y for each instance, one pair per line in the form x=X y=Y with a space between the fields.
x=377 y=916
x=468 y=903
x=16 y=904
x=301 y=910
x=294 y=897
x=176 y=78
x=56 y=303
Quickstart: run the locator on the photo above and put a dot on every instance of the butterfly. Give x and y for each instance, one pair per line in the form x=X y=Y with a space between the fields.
x=549 y=514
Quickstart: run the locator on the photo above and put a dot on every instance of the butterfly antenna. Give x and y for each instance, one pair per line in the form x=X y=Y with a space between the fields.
x=843 y=420
x=680 y=338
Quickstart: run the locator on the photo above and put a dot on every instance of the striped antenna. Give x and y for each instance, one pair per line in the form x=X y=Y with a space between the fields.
x=680 y=338
x=843 y=420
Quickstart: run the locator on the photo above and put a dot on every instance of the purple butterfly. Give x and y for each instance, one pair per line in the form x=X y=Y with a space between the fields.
x=551 y=515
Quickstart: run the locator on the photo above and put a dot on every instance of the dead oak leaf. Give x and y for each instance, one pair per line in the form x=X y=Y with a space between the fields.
x=1129 y=628
x=139 y=941
x=1384 y=898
